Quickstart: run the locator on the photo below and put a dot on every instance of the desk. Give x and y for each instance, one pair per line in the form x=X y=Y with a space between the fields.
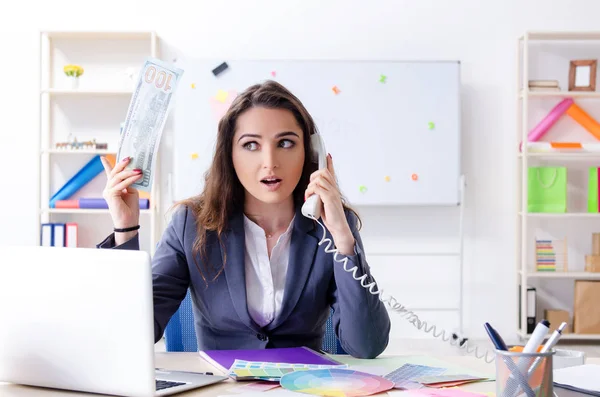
x=192 y=362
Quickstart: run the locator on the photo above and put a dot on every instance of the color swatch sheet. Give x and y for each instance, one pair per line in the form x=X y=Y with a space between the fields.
x=404 y=377
x=385 y=365
x=335 y=382
x=247 y=370
x=449 y=392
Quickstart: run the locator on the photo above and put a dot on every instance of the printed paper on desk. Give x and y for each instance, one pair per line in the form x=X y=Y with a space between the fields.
x=271 y=393
x=254 y=387
x=447 y=380
x=452 y=392
x=584 y=378
x=248 y=370
x=392 y=363
x=428 y=380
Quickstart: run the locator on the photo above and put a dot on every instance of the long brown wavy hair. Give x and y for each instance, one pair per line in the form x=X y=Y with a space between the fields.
x=223 y=193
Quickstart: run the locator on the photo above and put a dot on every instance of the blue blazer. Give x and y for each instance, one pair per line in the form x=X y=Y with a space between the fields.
x=314 y=283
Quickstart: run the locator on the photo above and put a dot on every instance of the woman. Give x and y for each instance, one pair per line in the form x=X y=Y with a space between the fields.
x=252 y=261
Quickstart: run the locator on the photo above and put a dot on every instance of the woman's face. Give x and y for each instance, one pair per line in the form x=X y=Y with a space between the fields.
x=268 y=154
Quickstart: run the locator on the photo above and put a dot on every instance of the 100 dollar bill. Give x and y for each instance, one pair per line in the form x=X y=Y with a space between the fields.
x=146 y=117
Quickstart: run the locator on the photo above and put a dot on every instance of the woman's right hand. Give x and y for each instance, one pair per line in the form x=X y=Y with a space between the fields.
x=123 y=200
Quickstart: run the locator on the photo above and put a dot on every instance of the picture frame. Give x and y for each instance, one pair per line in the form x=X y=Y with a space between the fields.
x=582 y=75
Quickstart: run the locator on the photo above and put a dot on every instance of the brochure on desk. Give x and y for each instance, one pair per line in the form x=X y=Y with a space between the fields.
x=581 y=378
x=224 y=359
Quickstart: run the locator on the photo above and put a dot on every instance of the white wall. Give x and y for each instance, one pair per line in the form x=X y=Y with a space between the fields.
x=482 y=34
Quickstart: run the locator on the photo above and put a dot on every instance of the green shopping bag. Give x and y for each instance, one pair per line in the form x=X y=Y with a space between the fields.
x=547 y=189
x=594 y=173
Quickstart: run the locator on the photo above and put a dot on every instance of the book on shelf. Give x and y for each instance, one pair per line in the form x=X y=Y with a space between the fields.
x=530 y=309
x=59 y=235
x=538 y=89
x=94 y=203
x=543 y=83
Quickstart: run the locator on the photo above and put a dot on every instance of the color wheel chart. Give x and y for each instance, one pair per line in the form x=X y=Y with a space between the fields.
x=335 y=383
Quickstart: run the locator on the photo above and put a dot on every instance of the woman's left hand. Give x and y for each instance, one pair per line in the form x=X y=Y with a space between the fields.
x=323 y=183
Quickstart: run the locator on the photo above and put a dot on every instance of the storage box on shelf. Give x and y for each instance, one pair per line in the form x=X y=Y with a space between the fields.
x=86 y=83
x=558 y=152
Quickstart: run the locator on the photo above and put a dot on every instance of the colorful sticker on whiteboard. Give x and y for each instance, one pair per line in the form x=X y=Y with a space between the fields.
x=219 y=107
x=222 y=96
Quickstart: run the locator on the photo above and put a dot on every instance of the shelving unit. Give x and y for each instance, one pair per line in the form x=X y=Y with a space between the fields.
x=534 y=52
x=68 y=91
x=94 y=109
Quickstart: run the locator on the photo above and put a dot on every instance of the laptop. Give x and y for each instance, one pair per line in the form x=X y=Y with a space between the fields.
x=82 y=319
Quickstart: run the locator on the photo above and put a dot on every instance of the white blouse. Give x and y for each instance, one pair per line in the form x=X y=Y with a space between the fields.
x=265 y=278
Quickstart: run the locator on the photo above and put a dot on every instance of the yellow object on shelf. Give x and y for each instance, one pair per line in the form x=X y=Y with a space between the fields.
x=73 y=70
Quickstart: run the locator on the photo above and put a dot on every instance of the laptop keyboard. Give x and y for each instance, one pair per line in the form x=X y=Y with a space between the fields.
x=165 y=384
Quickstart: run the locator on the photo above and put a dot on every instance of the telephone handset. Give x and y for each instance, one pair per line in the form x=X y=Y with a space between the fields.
x=312 y=209
x=312 y=206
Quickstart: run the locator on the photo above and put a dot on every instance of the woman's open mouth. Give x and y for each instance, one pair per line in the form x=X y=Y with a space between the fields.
x=272 y=184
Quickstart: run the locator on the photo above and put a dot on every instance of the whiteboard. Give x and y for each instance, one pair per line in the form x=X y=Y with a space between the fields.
x=392 y=128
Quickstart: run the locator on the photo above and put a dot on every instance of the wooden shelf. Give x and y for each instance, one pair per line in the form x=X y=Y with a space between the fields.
x=550 y=215
x=108 y=57
x=564 y=275
x=584 y=156
x=557 y=35
x=82 y=151
x=79 y=211
x=538 y=60
x=78 y=92
x=99 y=35
x=560 y=94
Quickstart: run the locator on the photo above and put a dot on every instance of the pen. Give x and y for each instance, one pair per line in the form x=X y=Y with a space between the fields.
x=495 y=337
x=510 y=385
x=546 y=348
x=537 y=337
x=549 y=345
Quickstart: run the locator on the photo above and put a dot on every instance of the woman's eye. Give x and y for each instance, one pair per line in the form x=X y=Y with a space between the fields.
x=286 y=143
x=251 y=145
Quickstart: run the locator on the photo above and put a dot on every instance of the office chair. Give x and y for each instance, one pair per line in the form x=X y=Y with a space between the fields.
x=180 y=335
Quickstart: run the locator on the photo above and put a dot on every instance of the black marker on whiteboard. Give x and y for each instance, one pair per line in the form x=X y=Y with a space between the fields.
x=220 y=69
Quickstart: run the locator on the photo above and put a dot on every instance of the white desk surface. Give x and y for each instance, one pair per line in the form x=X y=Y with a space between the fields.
x=192 y=362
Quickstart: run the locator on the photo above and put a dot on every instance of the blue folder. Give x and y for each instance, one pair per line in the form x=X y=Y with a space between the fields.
x=85 y=175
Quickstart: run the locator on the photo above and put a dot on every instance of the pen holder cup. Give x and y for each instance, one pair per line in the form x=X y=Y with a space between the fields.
x=523 y=374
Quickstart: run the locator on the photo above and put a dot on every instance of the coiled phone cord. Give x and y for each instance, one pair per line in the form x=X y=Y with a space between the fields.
x=394 y=305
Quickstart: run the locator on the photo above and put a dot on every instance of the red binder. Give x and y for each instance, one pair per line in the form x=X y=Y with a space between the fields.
x=71 y=238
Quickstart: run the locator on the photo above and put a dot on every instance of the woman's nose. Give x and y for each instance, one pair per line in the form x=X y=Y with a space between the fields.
x=270 y=158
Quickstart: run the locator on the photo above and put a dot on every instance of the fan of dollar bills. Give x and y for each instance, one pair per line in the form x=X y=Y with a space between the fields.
x=148 y=110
